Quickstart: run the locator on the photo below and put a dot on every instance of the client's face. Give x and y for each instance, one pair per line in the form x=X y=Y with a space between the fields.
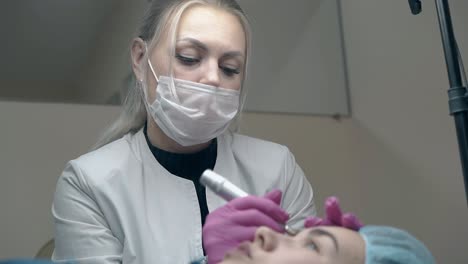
x=310 y=246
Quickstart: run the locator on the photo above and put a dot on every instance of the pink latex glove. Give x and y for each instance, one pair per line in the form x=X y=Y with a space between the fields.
x=235 y=222
x=334 y=217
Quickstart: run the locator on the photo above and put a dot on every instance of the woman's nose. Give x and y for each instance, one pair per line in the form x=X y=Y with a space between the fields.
x=266 y=238
x=211 y=74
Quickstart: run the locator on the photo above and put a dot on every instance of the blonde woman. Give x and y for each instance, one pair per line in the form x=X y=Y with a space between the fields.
x=136 y=198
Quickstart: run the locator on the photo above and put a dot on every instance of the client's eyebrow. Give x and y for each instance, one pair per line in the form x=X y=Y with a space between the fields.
x=322 y=232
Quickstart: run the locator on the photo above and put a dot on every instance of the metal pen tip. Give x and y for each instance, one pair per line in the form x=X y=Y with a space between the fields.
x=290 y=231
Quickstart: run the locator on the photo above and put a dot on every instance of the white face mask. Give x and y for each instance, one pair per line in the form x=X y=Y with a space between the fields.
x=189 y=112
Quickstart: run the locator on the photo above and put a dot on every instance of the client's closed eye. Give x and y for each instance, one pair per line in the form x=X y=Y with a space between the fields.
x=312 y=246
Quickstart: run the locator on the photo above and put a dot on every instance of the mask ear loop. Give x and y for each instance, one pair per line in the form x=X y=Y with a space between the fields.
x=171 y=84
x=144 y=86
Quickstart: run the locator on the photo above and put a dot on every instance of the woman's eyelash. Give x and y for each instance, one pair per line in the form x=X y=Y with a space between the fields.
x=187 y=60
x=230 y=71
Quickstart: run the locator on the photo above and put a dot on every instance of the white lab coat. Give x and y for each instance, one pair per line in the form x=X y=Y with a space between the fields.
x=117 y=204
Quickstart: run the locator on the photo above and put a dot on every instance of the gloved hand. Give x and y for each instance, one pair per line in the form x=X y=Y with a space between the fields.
x=236 y=222
x=334 y=217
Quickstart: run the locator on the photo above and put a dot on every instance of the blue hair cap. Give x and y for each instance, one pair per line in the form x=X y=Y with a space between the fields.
x=389 y=245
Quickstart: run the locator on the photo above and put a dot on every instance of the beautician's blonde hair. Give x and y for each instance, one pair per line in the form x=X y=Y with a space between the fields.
x=164 y=16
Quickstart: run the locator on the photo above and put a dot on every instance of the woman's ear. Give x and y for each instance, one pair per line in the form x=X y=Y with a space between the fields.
x=138 y=53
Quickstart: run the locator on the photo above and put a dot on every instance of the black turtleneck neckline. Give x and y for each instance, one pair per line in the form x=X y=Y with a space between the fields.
x=188 y=166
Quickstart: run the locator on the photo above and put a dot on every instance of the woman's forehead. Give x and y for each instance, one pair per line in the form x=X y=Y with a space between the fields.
x=212 y=26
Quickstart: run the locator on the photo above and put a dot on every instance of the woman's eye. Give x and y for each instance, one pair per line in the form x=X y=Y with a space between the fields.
x=187 y=60
x=230 y=71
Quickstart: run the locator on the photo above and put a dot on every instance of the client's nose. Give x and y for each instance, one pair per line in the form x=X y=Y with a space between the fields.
x=266 y=238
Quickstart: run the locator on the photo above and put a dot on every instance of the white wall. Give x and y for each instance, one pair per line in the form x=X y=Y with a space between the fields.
x=395 y=162
x=398 y=92
x=296 y=59
x=36 y=140
x=109 y=62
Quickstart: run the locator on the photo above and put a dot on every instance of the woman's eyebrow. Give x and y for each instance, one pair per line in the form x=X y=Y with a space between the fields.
x=203 y=47
x=322 y=232
x=195 y=42
x=232 y=54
